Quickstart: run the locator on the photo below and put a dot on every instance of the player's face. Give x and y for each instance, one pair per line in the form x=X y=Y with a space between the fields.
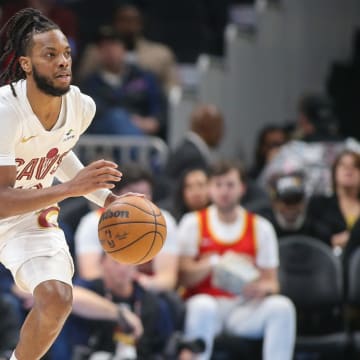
x=226 y=190
x=50 y=63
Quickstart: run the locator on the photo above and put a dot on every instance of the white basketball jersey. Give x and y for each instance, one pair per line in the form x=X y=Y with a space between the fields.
x=35 y=151
x=24 y=141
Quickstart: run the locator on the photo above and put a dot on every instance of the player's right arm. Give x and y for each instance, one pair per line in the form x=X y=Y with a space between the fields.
x=98 y=175
x=17 y=201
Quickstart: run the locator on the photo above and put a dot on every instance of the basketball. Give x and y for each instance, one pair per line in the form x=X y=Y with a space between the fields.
x=132 y=230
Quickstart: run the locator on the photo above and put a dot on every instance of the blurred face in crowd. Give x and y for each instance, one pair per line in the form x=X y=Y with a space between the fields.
x=272 y=142
x=195 y=191
x=128 y=22
x=112 y=55
x=117 y=275
x=290 y=215
x=226 y=190
x=347 y=171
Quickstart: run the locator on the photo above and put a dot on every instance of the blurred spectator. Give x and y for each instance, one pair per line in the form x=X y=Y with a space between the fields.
x=119 y=338
x=161 y=273
x=61 y=15
x=128 y=99
x=351 y=246
x=190 y=27
x=255 y=198
x=206 y=131
x=268 y=143
x=209 y=235
x=316 y=120
x=9 y=327
x=190 y=193
x=153 y=56
x=341 y=210
x=288 y=212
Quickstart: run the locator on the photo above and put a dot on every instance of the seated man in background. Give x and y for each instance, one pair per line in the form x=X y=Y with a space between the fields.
x=155 y=57
x=289 y=209
x=205 y=237
x=9 y=327
x=126 y=315
x=205 y=133
x=128 y=99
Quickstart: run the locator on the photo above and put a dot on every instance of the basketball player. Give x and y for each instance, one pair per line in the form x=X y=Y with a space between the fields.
x=42 y=117
x=207 y=234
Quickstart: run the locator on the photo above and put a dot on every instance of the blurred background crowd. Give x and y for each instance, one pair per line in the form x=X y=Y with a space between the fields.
x=180 y=88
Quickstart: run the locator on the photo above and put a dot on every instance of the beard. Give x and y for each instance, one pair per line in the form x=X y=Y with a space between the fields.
x=45 y=85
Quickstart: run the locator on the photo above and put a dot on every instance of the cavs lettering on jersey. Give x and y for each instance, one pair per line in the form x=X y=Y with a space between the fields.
x=24 y=142
x=210 y=243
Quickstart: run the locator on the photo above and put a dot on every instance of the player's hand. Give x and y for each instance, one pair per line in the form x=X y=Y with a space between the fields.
x=113 y=198
x=100 y=174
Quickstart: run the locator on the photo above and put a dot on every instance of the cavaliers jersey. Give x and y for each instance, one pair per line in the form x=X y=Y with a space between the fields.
x=210 y=243
x=24 y=142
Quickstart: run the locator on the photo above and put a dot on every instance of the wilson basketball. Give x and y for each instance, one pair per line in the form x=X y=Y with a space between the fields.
x=132 y=230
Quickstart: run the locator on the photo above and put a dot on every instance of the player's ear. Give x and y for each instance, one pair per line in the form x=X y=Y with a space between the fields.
x=25 y=64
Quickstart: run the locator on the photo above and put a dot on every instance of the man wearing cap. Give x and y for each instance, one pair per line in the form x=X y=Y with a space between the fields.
x=288 y=213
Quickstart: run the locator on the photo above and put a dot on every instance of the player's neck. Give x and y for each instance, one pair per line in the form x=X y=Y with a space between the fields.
x=45 y=107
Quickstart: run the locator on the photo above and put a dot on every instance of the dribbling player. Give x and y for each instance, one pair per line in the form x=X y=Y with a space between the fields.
x=42 y=117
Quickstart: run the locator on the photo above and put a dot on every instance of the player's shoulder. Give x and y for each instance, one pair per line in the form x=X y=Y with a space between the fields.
x=5 y=91
x=80 y=100
x=7 y=96
x=10 y=103
x=75 y=92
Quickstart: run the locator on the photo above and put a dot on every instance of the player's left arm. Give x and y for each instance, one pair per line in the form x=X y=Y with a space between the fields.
x=69 y=167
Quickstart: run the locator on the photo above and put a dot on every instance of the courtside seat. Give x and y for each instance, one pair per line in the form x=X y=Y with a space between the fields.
x=311 y=276
x=232 y=347
x=353 y=298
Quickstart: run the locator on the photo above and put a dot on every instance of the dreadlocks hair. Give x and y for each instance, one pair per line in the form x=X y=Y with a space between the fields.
x=16 y=39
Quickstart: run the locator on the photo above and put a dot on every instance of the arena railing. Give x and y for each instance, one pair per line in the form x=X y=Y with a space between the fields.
x=149 y=151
